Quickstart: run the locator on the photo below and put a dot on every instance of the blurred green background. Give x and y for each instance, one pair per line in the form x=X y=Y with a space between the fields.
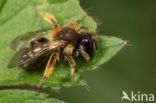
x=133 y=69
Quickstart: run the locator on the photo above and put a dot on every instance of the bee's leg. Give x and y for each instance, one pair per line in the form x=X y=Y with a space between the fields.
x=83 y=30
x=85 y=55
x=48 y=17
x=72 y=64
x=49 y=68
x=76 y=54
x=75 y=21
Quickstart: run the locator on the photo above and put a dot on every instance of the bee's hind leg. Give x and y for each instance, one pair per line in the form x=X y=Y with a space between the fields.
x=49 y=68
x=72 y=64
x=49 y=18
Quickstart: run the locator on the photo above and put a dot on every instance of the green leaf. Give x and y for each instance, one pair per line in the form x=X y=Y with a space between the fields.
x=24 y=96
x=16 y=20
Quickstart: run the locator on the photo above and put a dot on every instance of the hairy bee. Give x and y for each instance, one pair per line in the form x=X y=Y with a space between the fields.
x=64 y=41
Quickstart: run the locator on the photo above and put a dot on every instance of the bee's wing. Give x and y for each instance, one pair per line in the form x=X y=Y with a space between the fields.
x=23 y=40
x=30 y=56
x=16 y=58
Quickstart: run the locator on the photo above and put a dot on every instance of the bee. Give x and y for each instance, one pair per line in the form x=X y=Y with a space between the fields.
x=65 y=41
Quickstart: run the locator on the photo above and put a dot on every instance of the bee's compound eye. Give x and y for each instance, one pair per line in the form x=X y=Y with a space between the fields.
x=85 y=40
x=89 y=43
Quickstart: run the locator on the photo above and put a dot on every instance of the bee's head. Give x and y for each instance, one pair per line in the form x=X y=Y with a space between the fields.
x=89 y=43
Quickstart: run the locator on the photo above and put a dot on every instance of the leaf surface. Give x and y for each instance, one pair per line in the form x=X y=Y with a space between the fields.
x=24 y=96
x=16 y=20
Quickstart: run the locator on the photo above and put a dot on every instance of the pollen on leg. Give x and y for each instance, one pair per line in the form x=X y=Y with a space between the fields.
x=48 y=17
x=49 y=68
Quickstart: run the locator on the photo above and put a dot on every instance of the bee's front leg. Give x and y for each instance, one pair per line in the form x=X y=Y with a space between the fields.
x=49 y=68
x=83 y=30
x=85 y=55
